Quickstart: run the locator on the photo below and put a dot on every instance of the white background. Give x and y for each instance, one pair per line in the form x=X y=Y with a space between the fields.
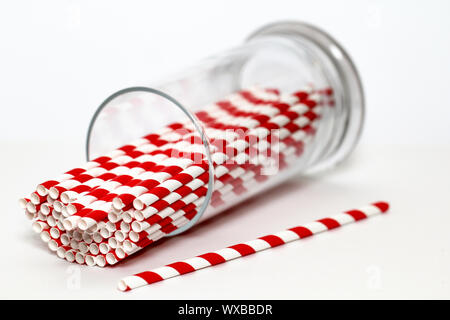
x=60 y=59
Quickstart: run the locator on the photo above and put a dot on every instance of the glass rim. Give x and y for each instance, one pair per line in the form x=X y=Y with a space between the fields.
x=197 y=126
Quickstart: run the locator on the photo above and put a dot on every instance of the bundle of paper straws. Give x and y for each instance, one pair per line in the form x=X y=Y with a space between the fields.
x=117 y=204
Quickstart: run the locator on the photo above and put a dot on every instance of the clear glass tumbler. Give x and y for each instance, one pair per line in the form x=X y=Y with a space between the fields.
x=290 y=62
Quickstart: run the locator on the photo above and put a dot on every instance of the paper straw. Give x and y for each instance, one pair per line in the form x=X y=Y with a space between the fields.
x=250 y=247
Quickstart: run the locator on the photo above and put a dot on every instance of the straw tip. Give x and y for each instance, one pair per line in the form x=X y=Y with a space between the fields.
x=122 y=286
x=382 y=205
x=118 y=203
x=138 y=204
x=23 y=203
x=41 y=190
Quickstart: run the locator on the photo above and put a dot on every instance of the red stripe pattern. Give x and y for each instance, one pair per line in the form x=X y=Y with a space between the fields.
x=250 y=247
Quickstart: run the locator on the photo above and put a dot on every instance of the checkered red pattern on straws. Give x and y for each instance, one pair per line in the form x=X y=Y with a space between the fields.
x=243 y=249
x=116 y=204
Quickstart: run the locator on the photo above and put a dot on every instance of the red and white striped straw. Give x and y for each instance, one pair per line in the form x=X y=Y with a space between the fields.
x=243 y=249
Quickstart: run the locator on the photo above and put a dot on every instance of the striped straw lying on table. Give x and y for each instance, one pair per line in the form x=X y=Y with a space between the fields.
x=243 y=249
x=119 y=203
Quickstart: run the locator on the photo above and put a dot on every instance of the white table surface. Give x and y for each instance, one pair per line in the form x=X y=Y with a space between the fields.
x=60 y=59
x=403 y=254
